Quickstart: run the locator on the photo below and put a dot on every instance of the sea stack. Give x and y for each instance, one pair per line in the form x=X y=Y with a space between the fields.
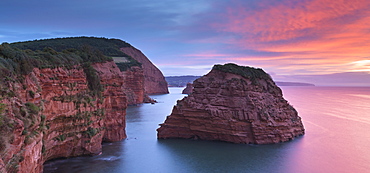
x=235 y=104
x=188 y=89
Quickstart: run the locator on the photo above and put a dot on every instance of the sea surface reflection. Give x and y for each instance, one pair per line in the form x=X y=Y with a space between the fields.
x=336 y=119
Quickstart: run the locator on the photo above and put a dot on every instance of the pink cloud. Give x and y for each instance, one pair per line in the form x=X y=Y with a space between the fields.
x=321 y=34
x=289 y=19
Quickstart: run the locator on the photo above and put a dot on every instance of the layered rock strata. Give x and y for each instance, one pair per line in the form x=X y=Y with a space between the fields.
x=133 y=81
x=154 y=81
x=134 y=85
x=63 y=97
x=54 y=113
x=234 y=104
x=114 y=100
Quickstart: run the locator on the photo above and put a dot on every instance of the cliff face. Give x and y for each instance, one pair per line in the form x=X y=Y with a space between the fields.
x=114 y=101
x=228 y=106
x=134 y=85
x=154 y=81
x=133 y=75
x=62 y=97
x=54 y=113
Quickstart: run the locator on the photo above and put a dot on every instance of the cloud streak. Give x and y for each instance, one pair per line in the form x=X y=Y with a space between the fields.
x=336 y=32
x=285 y=37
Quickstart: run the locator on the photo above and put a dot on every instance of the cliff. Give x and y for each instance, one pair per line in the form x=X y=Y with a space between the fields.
x=52 y=114
x=234 y=104
x=154 y=81
x=91 y=47
x=133 y=75
x=63 y=100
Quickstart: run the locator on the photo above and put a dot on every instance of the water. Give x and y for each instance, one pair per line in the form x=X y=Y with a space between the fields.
x=337 y=139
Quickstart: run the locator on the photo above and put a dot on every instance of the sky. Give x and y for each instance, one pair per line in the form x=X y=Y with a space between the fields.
x=325 y=42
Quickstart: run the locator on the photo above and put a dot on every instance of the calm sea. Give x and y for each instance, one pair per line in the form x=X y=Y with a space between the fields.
x=336 y=119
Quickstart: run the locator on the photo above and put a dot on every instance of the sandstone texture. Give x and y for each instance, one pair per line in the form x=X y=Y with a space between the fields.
x=154 y=81
x=133 y=76
x=188 y=89
x=60 y=112
x=63 y=97
x=134 y=85
x=234 y=104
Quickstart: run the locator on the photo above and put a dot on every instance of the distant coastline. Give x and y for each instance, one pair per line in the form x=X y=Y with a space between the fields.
x=181 y=81
x=293 y=84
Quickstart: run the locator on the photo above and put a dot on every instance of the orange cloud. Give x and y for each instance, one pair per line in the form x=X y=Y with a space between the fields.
x=289 y=18
x=326 y=33
x=291 y=65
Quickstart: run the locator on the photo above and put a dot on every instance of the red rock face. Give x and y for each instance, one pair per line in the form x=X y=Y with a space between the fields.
x=188 y=89
x=134 y=85
x=2 y=166
x=115 y=101
x=52 y=114
x=154 y=82
x=232 y=108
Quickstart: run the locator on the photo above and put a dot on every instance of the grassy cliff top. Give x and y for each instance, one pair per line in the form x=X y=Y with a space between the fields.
x=109 y=47
x=21 y=57
x=245 y=71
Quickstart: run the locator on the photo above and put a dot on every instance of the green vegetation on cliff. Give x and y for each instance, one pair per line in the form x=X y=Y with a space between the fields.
x=245 y=71
x=21 y=57
x=24 y=108
x=109 y=47
x=123 y=66
x=93 y=80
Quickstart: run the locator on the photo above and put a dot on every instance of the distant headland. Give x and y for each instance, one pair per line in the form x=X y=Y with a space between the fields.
x=181 y=81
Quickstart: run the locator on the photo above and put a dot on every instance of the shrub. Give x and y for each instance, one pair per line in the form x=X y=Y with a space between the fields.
x=2 y=108
x=123 y=66
x=43 y=149
x=43 y=117
x=32 y=108
x=93 y=80
x=244 y=71
x=24 y=132
x=109 y=47
x=20 y=58
x=60 y=137
x=248 y=72
x=92 y=131
x=31 y=93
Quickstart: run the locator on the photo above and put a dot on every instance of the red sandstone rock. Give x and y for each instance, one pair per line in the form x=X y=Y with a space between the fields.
x=2 y=166
x=188 y=89
x=134 y=85
x=115 y=102
x=52 y=115
x=147 y=99
x=227 y=106
x=154 y=82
